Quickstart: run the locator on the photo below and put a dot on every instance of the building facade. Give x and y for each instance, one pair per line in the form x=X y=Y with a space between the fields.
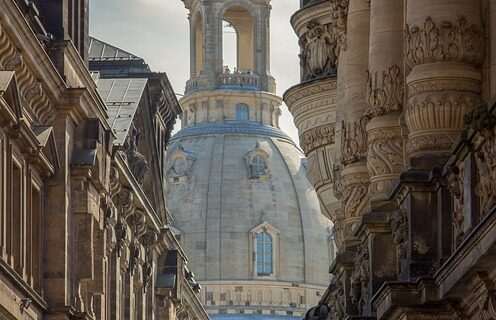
x=236 y=184
x=83 y=224
x=396 y=113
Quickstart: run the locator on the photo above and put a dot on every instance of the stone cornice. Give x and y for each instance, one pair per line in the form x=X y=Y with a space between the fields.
x=319 y=11
x=309 y=88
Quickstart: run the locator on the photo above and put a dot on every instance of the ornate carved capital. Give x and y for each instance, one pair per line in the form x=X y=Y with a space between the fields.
x=385 y=92
x=456 y=41
x=435 y=120
x=318 y=137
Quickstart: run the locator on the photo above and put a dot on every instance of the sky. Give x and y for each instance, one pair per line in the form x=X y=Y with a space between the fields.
x=158 y=31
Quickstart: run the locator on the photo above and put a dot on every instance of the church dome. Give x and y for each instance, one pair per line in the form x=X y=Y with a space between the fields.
x=248 y=218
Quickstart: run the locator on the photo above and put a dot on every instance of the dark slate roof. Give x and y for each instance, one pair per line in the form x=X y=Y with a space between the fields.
x=100 y=50
x=232 y=127
x=122 y=97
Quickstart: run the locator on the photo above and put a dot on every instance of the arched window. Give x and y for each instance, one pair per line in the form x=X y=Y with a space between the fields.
x=230 y=47
x=242 y=112
x=258 y=167
x=264 y=254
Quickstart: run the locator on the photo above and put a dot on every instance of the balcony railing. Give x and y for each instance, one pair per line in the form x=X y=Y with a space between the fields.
x=245 y=80
x=235 y=80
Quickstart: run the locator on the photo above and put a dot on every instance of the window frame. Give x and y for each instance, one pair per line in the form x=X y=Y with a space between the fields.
x=244 y=110
x=270 y=230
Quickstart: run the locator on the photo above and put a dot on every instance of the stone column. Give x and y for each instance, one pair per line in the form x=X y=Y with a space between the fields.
x=444 y=48
x=385 y=97
x=212 y=30
x=353 y=74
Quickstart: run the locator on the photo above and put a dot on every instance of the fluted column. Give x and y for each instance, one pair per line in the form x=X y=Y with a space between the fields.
x=444 y=47
x=353 y=74
x=385 y=97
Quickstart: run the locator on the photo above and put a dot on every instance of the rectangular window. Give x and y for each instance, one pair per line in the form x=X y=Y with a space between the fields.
x=35 y=226
x=17 y=221
x=264 y=254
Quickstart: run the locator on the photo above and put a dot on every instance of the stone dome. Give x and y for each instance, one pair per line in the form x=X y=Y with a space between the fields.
x=231 y=181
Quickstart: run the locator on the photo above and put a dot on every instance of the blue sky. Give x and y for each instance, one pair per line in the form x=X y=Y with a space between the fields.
x=157 y=30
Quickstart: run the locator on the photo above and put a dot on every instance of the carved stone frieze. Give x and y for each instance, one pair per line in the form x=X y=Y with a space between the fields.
x=317 y=137
x=354 y=141
x=436 y=142
x=457 y=41
x=385 y=92
x=318 y=56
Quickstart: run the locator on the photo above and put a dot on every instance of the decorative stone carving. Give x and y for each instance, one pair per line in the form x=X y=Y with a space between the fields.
x=256 y=162
x=136 y=161
x=355 y=190
x=385 y=92
x=318 y=56
x=180 y=164
x=455 y=186
x=434 y=121
x=318 y=137
x=360 y=278
x=354 y=144
x=487 y=302
x=484 y=122
x=456 y=41
x=30 y=89
x=339 y=12
x=399 y=230
x=384 y=157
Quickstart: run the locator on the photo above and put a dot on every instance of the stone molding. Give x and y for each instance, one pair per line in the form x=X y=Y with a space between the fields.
x=30 y=89
x=444 y=41
x=318 y=137
x=385 y=91
x=305 y=90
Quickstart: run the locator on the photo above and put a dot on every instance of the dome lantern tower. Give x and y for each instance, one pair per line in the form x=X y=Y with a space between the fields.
x=250 y=20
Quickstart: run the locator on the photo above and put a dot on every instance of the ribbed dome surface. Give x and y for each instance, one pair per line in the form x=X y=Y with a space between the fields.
x=218 y=199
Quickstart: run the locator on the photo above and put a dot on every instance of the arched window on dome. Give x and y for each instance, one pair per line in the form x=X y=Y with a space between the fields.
x=264 y=254
x=242 y=112
x=258 y=167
